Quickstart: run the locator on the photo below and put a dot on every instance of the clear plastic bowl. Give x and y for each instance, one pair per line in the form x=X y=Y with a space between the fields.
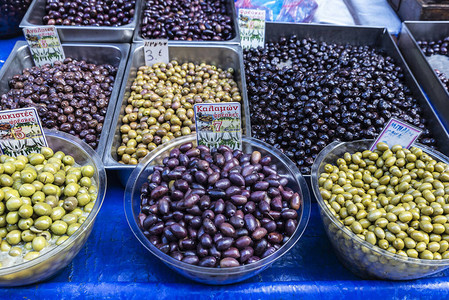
x=49 y=263
x=359 y=256
x=204 y=274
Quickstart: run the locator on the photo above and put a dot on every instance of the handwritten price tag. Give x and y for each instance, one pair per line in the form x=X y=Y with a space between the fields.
x=218 y=124
x=21 y=132
x=252 y=28
x=156 y=51
x=44 y=44
x=397 y=132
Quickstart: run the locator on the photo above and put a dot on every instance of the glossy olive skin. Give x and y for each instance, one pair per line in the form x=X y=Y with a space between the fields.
x=38 y=209
x=89 y=13
x=75 y=101
x=207 y=21
x=226 y=222
x=326 y=92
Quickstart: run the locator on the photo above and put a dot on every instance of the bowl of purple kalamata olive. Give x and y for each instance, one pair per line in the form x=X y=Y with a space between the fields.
x=217 y=215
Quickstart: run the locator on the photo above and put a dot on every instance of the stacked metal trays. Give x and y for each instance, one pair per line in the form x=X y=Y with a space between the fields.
x=113 y=54
x=376 y=37
x=423 y=71
x=232 y=13
x=225 y=56
x=96 y=34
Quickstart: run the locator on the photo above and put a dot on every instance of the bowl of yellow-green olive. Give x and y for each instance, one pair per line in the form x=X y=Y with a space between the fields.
x=385 y=211
x=48 y=204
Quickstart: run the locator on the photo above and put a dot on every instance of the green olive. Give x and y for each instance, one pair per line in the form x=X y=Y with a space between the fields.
x=13 y=237
x=31 y=255
x=59 y=227
x=70 y=203
x=42 y=209
x=39 y=243
x=27 y=236
x=43 y=223
x=72 y=228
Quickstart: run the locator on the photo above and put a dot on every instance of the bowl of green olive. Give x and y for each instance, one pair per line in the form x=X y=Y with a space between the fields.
x=385 y=211
x=48 y=204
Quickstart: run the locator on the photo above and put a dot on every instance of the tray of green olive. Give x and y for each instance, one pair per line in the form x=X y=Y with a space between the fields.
x=48 y=205
x=157 y=101
x=385 y=211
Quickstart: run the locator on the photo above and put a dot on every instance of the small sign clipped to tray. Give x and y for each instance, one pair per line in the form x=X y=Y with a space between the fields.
x=397 y=132
x=21 y=132
x=44 y=44
x=218 y=124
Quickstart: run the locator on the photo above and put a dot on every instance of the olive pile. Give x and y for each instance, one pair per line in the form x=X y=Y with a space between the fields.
x=186 y=20
x=217 y=207
x=395 y=199
x=160 y=106
x=443 y=79
x=11 y=13
x=304 y=94
x=44 y=199
x=436 y=47
x=89 y=12
x=71 y=96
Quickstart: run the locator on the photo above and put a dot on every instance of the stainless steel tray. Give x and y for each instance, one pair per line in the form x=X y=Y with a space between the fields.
x=231 y=8
x=94 y=34
x=228 y=56
x=376 y=37
x=423 y=71
x=113 y=54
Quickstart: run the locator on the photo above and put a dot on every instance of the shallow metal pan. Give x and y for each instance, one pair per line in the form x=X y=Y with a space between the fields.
x=113 y=54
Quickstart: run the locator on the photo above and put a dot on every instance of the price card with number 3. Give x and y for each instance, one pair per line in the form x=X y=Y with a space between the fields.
x=156 y=51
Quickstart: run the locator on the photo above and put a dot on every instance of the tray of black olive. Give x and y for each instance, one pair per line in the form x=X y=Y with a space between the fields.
x=97 y=21
x=77 y=96
x=156 y=102
x=419 y=43
x=181 y=20
x=314 y=84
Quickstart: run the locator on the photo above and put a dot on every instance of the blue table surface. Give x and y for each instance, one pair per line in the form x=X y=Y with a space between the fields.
x=113 y=264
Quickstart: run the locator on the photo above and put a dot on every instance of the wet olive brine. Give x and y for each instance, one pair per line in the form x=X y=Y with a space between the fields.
x=217 y=207
x=305 y=94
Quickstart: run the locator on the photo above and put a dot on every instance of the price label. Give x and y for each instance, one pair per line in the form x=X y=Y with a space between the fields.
x=397 y=132
x=156 y=51
x=44 y=44
x=21 y=132
x=252 y=27
x=218 y=124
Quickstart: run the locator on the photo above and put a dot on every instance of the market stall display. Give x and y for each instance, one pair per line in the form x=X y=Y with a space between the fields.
x=222 y=57
x=396 y=231
x=77 y=96
x=428 y=79
x=52 y=205
x=312 y=85
x=241 y=223
x=95 y=27
x=181 y=20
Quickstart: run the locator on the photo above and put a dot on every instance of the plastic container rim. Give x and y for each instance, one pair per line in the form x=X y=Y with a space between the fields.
x=82 y=146
x=303 y=221
x=323 y=207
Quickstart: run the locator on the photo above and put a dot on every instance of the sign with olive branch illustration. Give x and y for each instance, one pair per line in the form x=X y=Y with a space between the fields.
x=45 y=45
x=21 y=132
x=218 y=124
x=252 y=27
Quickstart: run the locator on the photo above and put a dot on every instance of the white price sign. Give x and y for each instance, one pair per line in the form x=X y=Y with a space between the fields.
x=397 y=132
x=156 y=51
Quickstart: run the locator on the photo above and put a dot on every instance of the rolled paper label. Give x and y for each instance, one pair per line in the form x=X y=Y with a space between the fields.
x=397 y=132
x=252 y=27
x=44 y=44
x=21 y=132
x=156 y=51
x=218 y=124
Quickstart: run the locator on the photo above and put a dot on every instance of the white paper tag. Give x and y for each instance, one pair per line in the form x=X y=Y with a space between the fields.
x=156 y=51
x=45 y=45
x=252 y=28
x=218 y=124
x=397 y=132
x=21 y=132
